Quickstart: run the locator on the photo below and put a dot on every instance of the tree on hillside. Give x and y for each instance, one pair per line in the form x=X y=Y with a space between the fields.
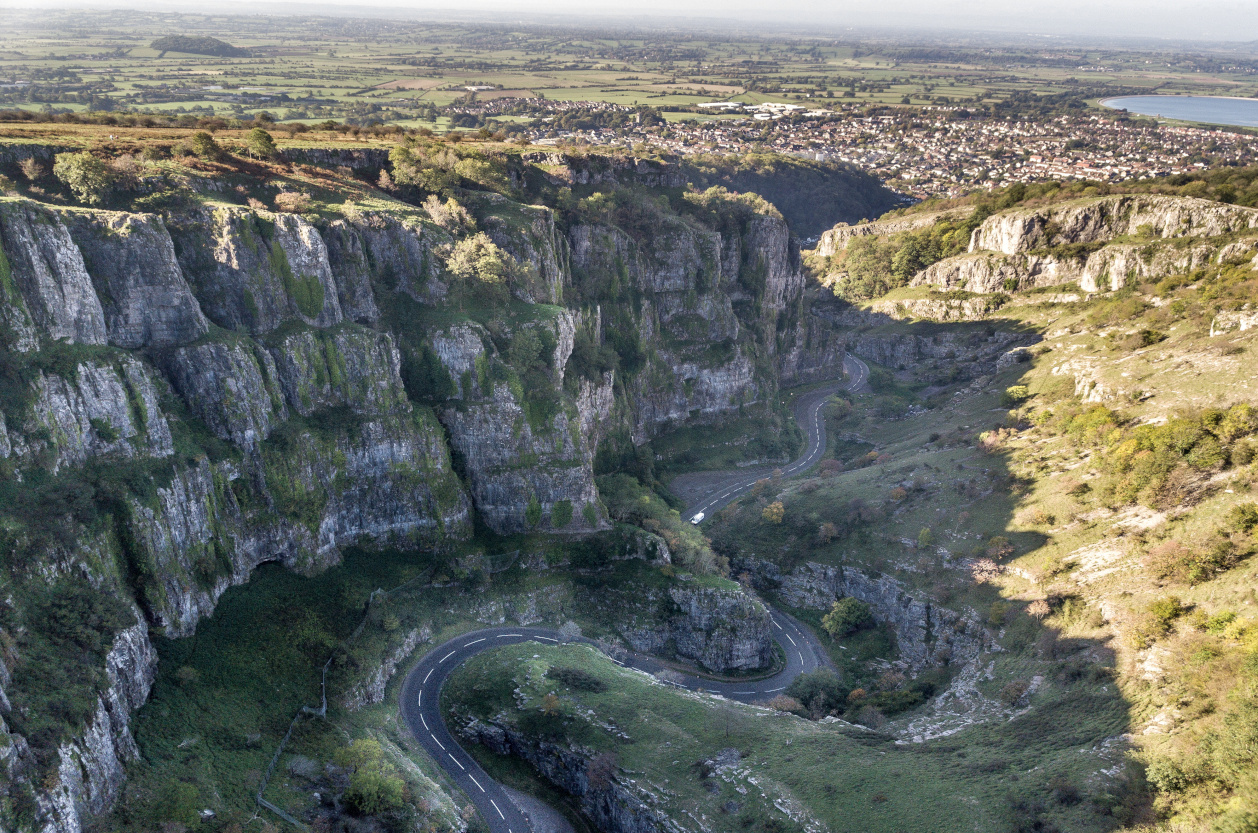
x=847 y=615
x=203 y=145
x=260 y=145
x=89 y=178
x=374 y=785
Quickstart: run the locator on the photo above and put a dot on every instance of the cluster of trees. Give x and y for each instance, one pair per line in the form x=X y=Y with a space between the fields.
x=93 y=180
x=628 y=501
x=438 y=168
x=198 y=45
x=870 y=267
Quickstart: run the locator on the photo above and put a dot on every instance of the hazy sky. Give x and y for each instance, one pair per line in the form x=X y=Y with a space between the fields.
x=1215 y=20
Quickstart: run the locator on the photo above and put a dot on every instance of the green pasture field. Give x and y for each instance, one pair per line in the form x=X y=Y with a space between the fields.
x=78 y=59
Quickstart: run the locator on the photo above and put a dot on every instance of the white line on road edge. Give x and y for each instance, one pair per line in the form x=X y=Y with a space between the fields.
x=496 y=807
x=477 y=783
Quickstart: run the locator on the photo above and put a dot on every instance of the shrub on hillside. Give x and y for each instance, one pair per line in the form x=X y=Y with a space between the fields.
x=292 y=202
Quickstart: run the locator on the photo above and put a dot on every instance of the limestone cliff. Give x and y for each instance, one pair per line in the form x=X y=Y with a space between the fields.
x=187 y=396
x=615 y=807
x=1101 y=244
x=1104 y=218
x=722 y=631
x=926 y=634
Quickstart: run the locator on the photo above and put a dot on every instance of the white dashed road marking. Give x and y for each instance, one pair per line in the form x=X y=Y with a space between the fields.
x=477 y=783
x=496 y=807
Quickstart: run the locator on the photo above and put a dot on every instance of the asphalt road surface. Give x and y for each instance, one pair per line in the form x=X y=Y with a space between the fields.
x=808 y=417
x=421 y=691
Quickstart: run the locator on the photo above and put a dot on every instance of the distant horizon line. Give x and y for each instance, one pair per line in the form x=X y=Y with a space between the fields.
x=491 y=13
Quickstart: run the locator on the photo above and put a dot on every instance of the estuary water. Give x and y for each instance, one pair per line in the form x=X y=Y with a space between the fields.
x=1239 y=112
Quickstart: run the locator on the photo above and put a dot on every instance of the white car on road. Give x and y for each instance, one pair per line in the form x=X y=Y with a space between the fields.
x=697 y=519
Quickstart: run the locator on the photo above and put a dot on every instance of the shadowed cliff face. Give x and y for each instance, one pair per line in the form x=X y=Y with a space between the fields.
x=187 y=396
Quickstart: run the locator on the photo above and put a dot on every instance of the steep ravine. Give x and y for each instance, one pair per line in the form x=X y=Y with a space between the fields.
x=227 y=386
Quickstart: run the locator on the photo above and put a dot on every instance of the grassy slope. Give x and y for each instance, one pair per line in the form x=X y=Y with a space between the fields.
x=841 y=776
x=1092 y=556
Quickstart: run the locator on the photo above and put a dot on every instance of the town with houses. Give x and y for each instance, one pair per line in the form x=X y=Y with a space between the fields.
x=925 y=152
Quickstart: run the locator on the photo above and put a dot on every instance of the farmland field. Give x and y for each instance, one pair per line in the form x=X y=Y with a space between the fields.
x=372 y=70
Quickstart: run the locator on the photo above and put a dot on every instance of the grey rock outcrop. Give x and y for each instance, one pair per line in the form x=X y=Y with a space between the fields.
x=131 y=260
x=1108 y=269
x=91 y=774
x=347 y=367
x=371 y=690
x=47 y=269
x=926 y=634
x=972 y=354
x=493 y=433
x=251 y=271
x=104 y=409
x=613 y=807
x=1104 y=218
x=723 y=631
x=836 y=239
x=398 y=255
x=232 y=386
x=529 y=234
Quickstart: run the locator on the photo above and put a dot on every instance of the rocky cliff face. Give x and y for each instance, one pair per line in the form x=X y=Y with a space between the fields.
x=970 y=354
x=319 y=445
x=1107 y=269
x=1101 y=244
x=721 y=630
x=926 y=634
x=218 y=387
x=614 y=807
x=1101 y=220
x=91 y=772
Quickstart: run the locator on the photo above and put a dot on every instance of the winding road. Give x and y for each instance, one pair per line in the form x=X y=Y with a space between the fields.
x=421 y=691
